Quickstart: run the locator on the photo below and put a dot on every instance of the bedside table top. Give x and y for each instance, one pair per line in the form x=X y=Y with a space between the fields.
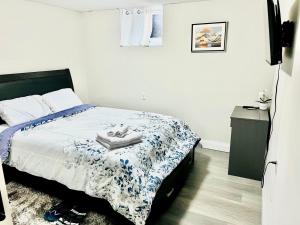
x=256 y=114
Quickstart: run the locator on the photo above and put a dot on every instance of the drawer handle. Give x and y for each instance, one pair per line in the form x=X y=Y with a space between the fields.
x=170 y=193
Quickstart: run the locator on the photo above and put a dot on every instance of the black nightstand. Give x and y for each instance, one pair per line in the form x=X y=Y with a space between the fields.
x=249 y=137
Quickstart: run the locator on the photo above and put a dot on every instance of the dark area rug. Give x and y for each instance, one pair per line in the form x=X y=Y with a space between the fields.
x=29 y=205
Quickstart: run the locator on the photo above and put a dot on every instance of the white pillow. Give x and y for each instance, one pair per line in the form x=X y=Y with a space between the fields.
x=3 y=127
x=20 y=110
x=61 y=99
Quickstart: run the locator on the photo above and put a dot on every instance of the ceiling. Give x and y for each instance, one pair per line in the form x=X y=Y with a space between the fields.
x=91 y=5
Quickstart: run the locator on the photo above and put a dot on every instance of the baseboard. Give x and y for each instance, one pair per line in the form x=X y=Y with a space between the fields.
x=216 y=145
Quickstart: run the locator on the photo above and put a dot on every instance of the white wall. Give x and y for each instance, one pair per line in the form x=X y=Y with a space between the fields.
x=201 y=88
x=35 y=37
x=281 y=195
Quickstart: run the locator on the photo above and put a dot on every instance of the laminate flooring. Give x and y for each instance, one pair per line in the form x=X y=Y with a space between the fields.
x=211 y=197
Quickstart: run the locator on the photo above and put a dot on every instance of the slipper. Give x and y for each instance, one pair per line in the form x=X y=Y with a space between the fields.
x=57 y=211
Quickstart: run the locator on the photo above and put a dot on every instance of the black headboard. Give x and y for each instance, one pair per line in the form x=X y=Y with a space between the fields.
x=24 y=84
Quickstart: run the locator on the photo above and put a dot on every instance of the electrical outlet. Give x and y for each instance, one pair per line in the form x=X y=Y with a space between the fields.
x=143 y=96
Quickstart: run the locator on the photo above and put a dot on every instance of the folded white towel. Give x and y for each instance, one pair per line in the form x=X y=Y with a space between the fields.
x=118 y=131
x=114 y=146
x=130 y=137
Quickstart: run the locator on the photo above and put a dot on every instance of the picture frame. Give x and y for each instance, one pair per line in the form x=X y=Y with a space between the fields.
x=209 y=37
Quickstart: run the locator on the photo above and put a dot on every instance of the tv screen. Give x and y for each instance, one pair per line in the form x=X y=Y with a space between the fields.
x=273 y=32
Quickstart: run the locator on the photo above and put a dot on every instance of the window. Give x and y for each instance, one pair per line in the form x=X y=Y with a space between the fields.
x=141 y=26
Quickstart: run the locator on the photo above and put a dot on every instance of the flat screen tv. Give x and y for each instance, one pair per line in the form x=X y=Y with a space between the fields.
x=273 y=32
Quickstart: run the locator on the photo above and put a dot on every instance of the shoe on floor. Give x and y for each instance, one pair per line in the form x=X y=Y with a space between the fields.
x=57 y=211
x=74 y=216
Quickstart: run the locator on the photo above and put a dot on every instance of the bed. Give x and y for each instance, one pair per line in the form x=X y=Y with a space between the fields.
x=62 y=148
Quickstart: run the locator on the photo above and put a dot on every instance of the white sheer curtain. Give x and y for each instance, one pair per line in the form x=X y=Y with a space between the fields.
x=126 y=25
x=137 y=25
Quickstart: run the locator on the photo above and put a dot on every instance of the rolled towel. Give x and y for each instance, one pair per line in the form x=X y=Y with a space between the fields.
x=130 y=137
x=118 y=131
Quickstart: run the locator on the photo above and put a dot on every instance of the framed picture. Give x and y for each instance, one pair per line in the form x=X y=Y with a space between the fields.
x=209 y=37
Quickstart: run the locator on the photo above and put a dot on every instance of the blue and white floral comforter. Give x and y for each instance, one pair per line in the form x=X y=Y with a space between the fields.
x=64 y=149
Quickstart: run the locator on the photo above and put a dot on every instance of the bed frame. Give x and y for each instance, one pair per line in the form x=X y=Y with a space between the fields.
x=24 y=84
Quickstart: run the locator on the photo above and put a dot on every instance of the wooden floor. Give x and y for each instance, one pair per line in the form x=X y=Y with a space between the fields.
x=211 y=197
